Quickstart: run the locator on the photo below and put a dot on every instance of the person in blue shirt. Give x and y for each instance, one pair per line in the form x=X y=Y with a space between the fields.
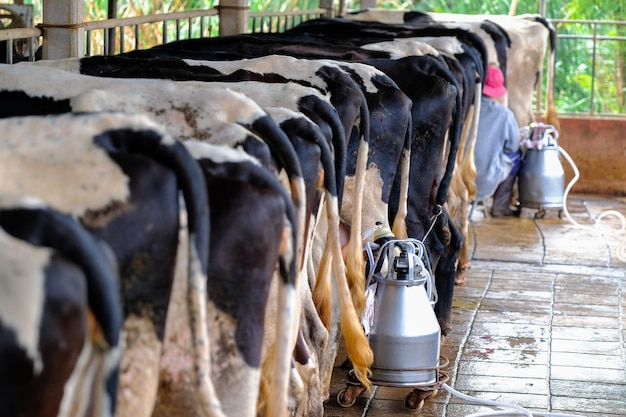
x=497 y=153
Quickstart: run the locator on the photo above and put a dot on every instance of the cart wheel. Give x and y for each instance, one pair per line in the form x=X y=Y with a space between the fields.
x=414 y=400
x=540 y=214
x=346 y=400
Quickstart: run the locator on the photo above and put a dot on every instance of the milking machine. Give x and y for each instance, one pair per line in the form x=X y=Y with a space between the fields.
x=403 y=331
x=541 y=180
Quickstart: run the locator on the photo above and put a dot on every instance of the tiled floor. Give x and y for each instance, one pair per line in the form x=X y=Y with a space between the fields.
x=540 y=322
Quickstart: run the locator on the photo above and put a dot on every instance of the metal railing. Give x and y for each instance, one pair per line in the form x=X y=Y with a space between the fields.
x=596 y=68
x=119 y=35
x=272 y=22
x=179 y=25
x=8 y=44
x=114 y=36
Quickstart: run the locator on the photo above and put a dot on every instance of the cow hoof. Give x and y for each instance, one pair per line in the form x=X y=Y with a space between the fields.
x=461 y=274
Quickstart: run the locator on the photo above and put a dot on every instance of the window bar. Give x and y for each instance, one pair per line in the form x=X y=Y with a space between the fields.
x=9 y=51
x=137 y=36
x=122 y=39
x=106 y=41
x=88 y=46
x=593 y=69
x=31 y=52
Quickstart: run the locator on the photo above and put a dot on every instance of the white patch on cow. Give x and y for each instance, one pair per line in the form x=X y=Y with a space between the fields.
x=286 y=66
x=55 y=159
x=399 y=48
x=139 y=369
x=199 y=111
x=293 y=68
x=8 y=201
x=372 y=199
x=367 y=74
x=285 y=95
x=445 y=44
x=217 y=153
x=281 y=114
x=22 y=292
x=188 y=110
x=67 y=64
x=228 y=369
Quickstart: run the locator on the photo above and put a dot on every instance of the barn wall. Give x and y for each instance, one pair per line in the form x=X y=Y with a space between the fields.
x=598 y=148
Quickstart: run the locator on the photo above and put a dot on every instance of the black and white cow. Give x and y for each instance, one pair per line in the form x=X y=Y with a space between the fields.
x=326 y=78
x=121 y=176
x=197 y=48
x=170 y=104
x=60 y=315
x=517 y=44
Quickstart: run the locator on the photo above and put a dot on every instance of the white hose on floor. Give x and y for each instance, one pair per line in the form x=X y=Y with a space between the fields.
x=597 y=222
x=512 y=410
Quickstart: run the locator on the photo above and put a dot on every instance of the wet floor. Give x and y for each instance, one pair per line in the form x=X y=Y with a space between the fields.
x=540 y=322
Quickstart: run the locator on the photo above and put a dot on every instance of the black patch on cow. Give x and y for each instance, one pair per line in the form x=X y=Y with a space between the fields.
x=63 y=329
x=125 y=67
x=143 y=234
x=18 y=103
x=43 y=227
x=243 y=255
x=16 y=371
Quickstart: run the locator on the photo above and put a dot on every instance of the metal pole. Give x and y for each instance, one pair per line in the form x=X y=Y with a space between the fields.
x=112 y=14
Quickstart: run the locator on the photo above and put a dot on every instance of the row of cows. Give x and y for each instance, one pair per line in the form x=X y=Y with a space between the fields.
x=182 y=226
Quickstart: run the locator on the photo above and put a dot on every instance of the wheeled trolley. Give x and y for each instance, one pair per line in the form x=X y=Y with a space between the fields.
x=541 y=180
x=413 y=401
x=404 y=333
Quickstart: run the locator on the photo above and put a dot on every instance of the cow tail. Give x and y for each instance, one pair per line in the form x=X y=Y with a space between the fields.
x=44 y=227
x=174 y=155
x=285 y=153
x=468 y=167
x=551 y=115
x=399 y=227
x=355 y=264
x=454 y=137
x=322 y=291
x=357 y=345
x=280 y=359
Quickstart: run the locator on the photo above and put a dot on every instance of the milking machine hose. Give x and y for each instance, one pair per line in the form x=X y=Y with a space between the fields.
x=622 y=249
x=512 y=410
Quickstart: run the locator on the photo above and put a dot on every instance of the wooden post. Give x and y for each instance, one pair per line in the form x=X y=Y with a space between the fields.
x=233 y=17
x=328 y=5
x=63 y=29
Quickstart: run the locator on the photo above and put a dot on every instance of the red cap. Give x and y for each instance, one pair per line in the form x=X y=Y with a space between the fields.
x=494 y=82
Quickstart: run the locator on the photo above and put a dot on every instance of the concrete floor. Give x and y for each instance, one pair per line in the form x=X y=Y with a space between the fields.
x=540 y=322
